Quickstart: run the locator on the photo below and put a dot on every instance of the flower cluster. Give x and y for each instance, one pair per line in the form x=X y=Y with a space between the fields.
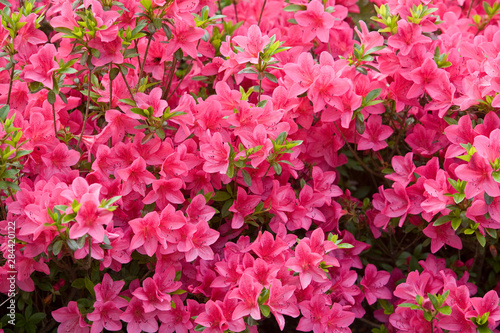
x=245 y=166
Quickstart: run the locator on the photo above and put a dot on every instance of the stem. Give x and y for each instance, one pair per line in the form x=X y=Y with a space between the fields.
x=86 y=108
x=470 y=8
x=54 y=116
x=220 y=9
x=11 y=80
x=262 y=11
x=110 y=88
x=144 y=61
x=180 y=81
x=235 y=10
x=360 y=161
x=432 y=325
x=126 y=83
x=170 y=77
x=260 y=88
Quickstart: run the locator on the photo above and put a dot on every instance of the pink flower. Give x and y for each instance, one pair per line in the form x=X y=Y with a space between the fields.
x=488 y=148
x=216 y=154
x=185 y=38
x=135 y=177
x=477 y=173
x=201 y=240
x=165 y=191
x=375 y=134
x=90 y=218
x=42 y=65
x=70 y=318
x=374 y=284
x=147 y=233
x=137 y=319
x=252 y=44
x=177 y=319
x=408 y=36
x=248 y=291
x=212 y=318
x=316 y=22
x=108 y=291
x=243 y=206
x=109 y=51
x=306 y=264
x=282 y=301
x=441 y=235
x=106 y=315
x=152 y=297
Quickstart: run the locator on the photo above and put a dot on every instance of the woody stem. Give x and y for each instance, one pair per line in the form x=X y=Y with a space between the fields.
x=110 y=87
x=235 y=10
x=86 y=108
x=54 y=117
x=144 y=61
x=11 y=80
x=262 y=11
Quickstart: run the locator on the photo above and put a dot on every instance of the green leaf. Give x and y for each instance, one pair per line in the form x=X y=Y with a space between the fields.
x=266 y=310
x=441 y=220
x=480 y=238
x=4 y=111
x=496 y=176
x=56 y=248
x=271 y=77
x=446 y=310
x=51 y=97
x=373 y=94
x=37 y=317
x=294 y=8
x=78 y=283
x=246 y=177
x=89 y=285
x=221 y=196
x=199 y=328
x=455 y=223
x=277 y=168
x=458 y=197
x=113 y=73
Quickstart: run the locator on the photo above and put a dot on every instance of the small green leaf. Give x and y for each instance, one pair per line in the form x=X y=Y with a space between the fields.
x=446 y=310
x=294 y=8
x=480 y=238
x=266 y=310
x=4 y=111
x=51 y=97
x=221 y=196
x=246 y=177
x=56 y=248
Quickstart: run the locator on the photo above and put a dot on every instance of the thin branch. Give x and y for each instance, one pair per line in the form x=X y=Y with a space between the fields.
x=86 y=108
x=262 y=11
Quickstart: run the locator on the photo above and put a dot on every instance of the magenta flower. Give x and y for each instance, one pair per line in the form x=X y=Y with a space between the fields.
x=42 y=65
x=282 y=301
x=177 y=319
x=316 y=22
x=90 y=218
x=165 y=192
x=212 y=318
x=216 y=154
x=477 y=173
x=374 y=284
x=248 y=292
x=152 y=297
x=137 y=319
x=375 y=134
x=106 y=315
x=70 y=318
x=243 y=206
x=306 y=264
x=147 y=233
x=135 y=177
x=408 y=36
